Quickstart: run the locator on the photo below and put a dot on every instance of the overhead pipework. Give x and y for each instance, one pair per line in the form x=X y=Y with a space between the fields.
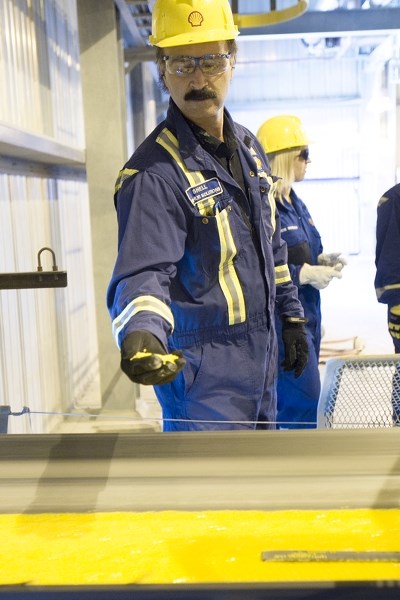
x=137 y=15
x=276 y=11
x=136 y=22
x=329 y=18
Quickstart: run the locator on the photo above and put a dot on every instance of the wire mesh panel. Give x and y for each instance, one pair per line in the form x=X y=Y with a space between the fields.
x=360 y=392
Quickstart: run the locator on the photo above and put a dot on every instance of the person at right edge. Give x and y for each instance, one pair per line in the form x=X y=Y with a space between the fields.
x=387 y=277
x=285 y=141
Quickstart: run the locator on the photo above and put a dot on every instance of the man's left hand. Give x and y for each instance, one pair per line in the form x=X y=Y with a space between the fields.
x=296 y=345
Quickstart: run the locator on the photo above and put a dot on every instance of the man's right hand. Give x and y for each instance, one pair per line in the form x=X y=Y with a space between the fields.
x=144 y=360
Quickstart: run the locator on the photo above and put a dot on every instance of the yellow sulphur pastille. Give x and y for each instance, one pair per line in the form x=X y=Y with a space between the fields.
x=165 y=358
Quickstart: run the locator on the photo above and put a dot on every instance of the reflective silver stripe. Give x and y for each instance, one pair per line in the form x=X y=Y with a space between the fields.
x=149 y=303
x=227 y=276
x=282 y=274
x=122 y=175
x=382 y=200
x=381 y=291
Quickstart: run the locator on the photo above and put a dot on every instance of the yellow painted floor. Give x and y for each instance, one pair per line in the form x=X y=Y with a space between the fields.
x=193 y=547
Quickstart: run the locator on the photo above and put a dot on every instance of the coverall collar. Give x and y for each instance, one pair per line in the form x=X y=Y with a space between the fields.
x=217 y=148
x=192 y=152
x=287 y=206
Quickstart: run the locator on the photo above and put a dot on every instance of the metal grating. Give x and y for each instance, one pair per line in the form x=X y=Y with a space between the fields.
x=360 y=392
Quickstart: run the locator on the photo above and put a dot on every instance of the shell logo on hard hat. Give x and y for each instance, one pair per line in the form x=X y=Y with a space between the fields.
x=195 y=18
x=183 y=22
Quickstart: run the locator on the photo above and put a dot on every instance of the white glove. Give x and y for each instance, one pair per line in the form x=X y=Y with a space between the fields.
x=333 y=259
x=318 y=276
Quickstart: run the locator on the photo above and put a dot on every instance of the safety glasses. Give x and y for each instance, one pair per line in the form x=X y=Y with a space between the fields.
x=304 y=154
x=209 y=64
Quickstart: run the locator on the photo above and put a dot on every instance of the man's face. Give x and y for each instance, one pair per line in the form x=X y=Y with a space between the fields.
x=199 y=96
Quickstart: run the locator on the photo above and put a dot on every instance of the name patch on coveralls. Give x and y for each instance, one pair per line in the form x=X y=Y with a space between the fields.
x=204 y=190
x=289 y=228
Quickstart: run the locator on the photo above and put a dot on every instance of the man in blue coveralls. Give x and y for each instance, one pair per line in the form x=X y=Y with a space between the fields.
x=387 y=259
x=201 y=265
x=387 y=278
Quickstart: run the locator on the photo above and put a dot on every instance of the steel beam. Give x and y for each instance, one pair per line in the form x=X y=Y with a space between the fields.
x=338 y=22
x=310 y=469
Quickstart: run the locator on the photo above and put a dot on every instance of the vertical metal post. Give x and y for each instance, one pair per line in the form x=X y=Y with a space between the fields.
x=5 y=412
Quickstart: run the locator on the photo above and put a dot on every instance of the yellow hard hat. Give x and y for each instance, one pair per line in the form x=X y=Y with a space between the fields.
x=282 y=133
x=182 y=22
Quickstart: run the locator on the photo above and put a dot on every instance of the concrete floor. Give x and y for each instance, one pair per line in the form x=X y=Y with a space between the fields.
x=353 y=322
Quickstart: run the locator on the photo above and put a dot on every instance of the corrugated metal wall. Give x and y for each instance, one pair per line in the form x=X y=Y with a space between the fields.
x=48 y=339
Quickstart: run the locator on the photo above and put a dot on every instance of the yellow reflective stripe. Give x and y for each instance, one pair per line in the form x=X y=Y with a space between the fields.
x=271 y=200
x=227 y=276
x=381 y=291
x=122 y=175
x=272 y=186
x=395 y=310
x=394 y=328
x=282 y=274
x=168 y=141
x=206 y=207
x=148 y=303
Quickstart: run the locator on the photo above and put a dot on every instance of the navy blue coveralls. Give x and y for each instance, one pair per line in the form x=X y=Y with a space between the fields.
x=387 y=277
x=201 y=277
x=387 y=257
x=298 y=398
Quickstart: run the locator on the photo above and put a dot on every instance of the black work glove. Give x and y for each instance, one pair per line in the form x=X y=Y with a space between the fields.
x=296 y=346
x=152 y=366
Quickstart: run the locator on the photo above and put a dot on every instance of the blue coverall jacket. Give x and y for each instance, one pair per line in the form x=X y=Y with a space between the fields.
x=387 y=258
x=298 y=398
x=191 y=270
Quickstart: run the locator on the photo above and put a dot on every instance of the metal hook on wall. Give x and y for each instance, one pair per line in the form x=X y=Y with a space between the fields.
x=35 y=279
x=40 y=268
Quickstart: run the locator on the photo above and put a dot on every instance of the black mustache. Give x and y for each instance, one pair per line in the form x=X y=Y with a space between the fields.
x=203 y=94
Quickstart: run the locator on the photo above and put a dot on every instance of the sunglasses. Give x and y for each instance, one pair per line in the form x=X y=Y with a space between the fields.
x=304 y=154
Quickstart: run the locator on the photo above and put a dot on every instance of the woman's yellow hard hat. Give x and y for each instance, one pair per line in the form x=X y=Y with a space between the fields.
x=282 y=132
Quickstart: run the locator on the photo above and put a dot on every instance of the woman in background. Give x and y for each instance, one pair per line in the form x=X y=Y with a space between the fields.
x=286 y=144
